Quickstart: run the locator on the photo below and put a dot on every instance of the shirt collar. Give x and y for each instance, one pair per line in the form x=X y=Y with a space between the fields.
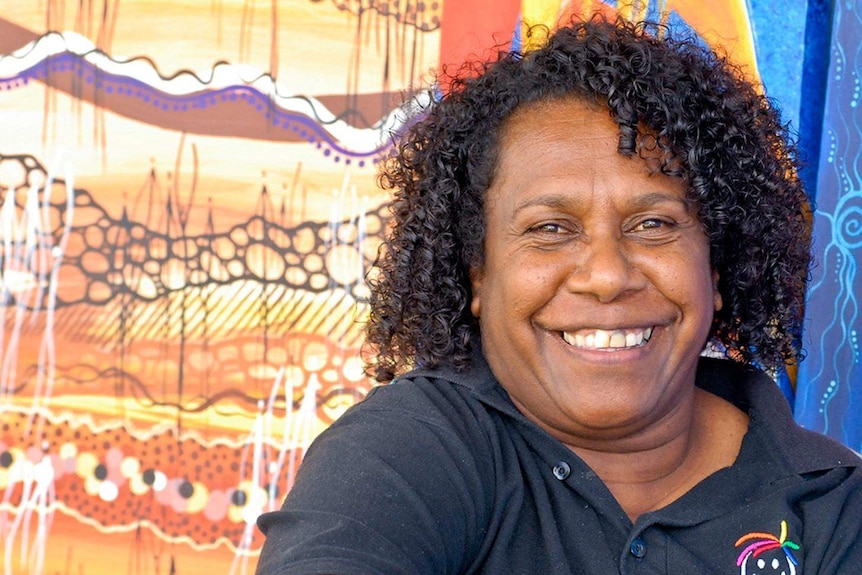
x=790 y=446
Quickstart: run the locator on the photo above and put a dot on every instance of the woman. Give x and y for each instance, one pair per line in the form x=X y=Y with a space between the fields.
x=572 y=227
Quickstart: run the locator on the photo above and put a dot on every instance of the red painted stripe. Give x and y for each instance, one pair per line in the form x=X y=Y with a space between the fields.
x=470 y=29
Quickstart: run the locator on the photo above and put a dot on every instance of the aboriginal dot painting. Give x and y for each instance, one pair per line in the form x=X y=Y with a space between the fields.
x=829 y=397
x=188 y=211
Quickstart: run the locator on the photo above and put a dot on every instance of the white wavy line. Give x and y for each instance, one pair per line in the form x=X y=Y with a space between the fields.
x=139 y=433
x=113 y=529
x=222 y=76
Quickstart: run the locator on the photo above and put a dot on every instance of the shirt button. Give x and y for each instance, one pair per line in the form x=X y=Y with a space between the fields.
x=638 y=548
x=562 y=470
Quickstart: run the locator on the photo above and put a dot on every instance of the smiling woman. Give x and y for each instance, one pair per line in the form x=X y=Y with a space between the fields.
x=572 y=228
x=585 y=249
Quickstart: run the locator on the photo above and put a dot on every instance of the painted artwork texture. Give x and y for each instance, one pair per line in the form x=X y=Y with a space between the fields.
x=829 y=397
x=189 y=209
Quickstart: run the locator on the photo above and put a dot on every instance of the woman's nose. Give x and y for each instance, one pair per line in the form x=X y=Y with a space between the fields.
x=605 y=270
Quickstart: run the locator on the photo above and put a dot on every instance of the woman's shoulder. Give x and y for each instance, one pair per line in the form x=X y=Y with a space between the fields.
x=428 y=402
x=758 y=394
x=444 y=396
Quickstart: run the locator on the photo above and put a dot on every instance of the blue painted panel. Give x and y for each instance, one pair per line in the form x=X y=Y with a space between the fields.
x=829 y=392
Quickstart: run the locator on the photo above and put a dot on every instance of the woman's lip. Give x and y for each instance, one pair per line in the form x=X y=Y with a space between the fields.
x=596 y=339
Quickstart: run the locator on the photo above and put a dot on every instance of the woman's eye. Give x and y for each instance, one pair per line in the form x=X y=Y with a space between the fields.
x=652 y=224
x=548 y=228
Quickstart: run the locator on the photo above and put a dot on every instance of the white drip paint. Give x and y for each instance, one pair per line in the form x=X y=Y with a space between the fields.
x=30 y=272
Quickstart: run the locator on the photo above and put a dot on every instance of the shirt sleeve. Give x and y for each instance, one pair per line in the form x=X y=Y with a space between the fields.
x=379 y=492
x=834 y=521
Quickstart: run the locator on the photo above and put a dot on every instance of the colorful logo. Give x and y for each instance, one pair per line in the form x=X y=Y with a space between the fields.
x=767 y=554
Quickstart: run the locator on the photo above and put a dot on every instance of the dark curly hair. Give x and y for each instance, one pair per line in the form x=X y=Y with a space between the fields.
x=715 y=130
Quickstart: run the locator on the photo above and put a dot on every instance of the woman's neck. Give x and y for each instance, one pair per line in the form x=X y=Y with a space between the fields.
x=656 y=467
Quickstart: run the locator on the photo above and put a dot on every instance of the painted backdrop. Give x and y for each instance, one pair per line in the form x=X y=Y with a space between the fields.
x=188 y=208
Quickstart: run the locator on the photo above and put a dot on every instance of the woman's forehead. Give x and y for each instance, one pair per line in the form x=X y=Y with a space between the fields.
x=577 y=108
x=590 y=125
x=541 y=119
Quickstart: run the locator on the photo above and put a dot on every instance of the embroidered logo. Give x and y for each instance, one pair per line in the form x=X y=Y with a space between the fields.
x=767 y=554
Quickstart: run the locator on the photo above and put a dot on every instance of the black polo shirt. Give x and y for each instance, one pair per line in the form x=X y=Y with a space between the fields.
x=439 y=473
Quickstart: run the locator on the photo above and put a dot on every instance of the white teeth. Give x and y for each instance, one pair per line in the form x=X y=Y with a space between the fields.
x=604 y=339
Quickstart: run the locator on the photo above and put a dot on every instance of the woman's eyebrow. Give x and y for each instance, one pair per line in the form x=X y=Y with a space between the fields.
x=635 y=201
x=651 y=199
x=550 y=200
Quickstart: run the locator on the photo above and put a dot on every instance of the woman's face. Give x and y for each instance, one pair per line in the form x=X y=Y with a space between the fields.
x=596 y=295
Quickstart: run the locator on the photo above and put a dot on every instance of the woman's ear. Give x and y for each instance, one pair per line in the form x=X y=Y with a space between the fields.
x=476 y=276
x=717 y=302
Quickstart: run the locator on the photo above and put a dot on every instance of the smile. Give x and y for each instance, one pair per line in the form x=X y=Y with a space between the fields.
x=608 y=340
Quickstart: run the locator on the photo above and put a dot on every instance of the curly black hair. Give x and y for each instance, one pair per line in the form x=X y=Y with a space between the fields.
x=715 y=129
